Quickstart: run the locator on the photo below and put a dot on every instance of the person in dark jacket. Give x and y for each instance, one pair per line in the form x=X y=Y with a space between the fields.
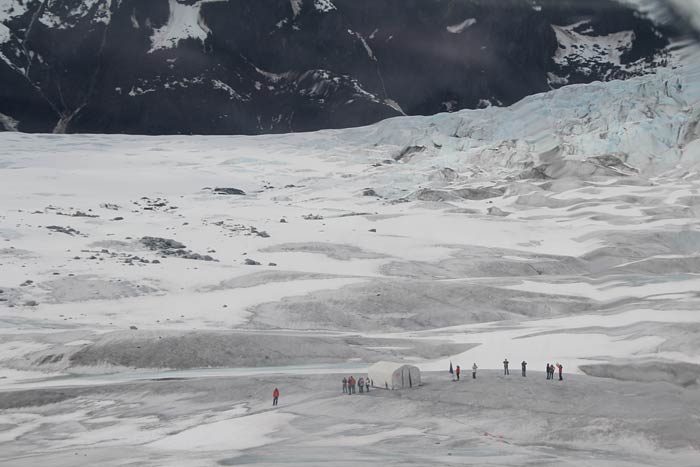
x=524 y=366
x=561 y=368
x=361 y=383
x=548 y=370
x=505 y=367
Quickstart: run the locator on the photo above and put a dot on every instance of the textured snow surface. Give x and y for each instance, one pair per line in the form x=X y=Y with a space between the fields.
x=493 y=420
x=234 y=434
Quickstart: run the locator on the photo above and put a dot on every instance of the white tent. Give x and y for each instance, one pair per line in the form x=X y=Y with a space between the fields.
x=388 y=375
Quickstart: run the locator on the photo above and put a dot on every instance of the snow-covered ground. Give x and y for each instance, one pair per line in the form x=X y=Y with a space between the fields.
x=562 y=229
x=493 y=420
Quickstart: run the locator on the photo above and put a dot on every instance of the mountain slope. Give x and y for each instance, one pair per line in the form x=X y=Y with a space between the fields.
x=219 y=66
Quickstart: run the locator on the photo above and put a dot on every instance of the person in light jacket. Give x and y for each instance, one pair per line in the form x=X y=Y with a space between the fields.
x=474 y=368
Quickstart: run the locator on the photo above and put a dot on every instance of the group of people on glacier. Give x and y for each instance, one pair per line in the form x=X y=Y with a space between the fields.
x=552 y=368
x=350 y=384
x=457 y=371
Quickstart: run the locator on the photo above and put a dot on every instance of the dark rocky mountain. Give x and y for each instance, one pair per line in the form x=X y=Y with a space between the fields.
x=254 y=66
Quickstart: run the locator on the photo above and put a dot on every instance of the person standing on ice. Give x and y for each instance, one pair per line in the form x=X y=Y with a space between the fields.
x=505 y=367
x=524 y=366
x=474 y=368
x=458 y=370
x=275 y=397
x=345 y=385
x=560 y=370
x=452 y=371
x=367 y=381
x=361 y=383
x=547 y=370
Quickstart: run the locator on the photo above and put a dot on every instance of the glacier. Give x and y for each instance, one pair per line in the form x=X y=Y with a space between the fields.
x=156 y=289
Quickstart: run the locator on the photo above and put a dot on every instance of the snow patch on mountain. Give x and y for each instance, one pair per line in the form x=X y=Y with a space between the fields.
x=8 y=123
x=270 y=76
x=582 y=54
x=394 y=105
x=143 y=86
x=5 y=34
x=577 y=47
x=139 y=91
x=461 y=27
x=324 y=5
x=5 y=37
x=56 y=15
x=12 y=8
x=9 y=9
x=218 y=84
x=185 y=22
x=370 y=52
x=296 y=6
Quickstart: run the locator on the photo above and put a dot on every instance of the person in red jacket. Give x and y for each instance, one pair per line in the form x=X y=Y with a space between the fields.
x=560 y=370
x=458 y=370
x=275 y=396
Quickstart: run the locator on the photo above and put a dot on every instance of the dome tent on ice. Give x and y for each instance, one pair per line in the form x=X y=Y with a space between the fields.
x=389 y=375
